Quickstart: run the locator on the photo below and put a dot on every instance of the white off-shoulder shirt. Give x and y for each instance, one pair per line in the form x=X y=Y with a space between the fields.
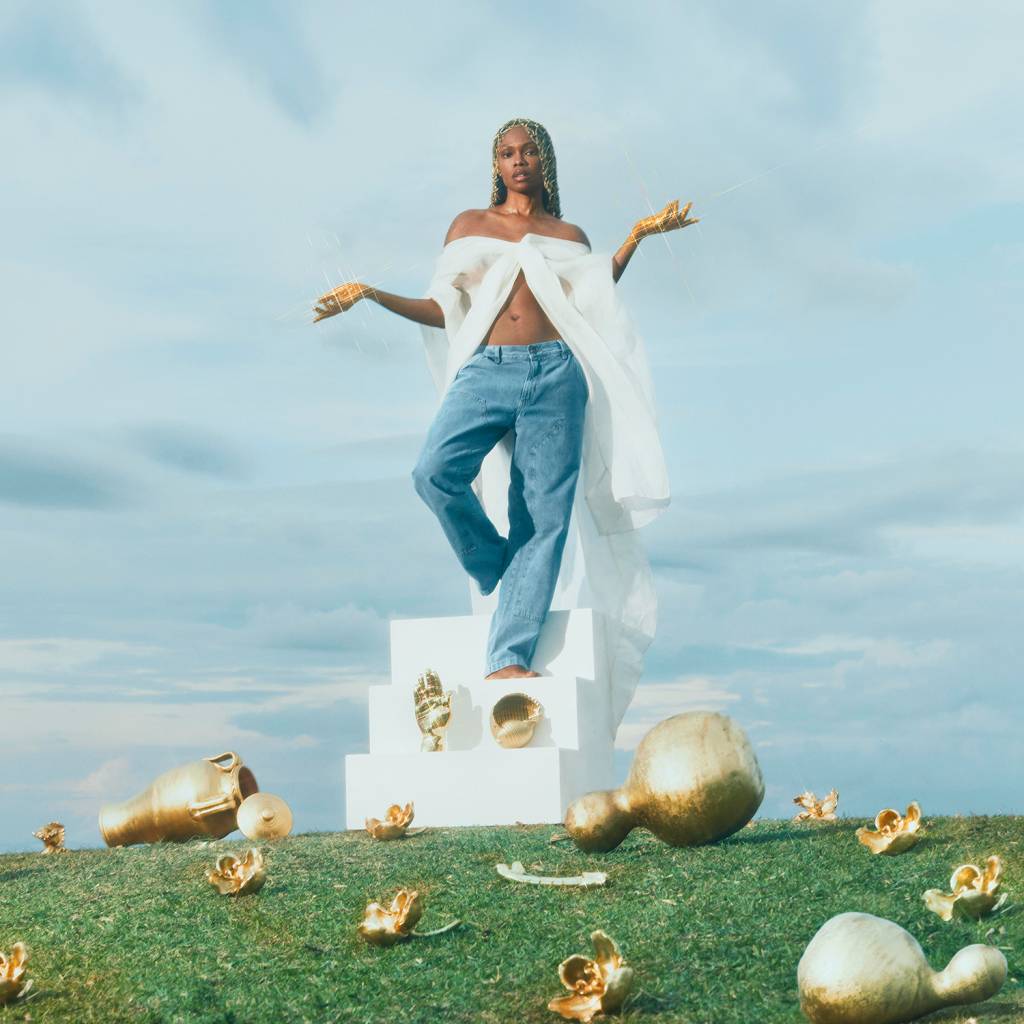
x=623 y=481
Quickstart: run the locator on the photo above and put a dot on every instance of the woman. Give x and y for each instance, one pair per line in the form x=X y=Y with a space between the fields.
x=539 y=370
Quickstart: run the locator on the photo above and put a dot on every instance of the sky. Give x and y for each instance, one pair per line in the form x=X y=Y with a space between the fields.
x=206 y=514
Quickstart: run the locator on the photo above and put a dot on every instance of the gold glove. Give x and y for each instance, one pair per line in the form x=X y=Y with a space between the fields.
x=433 y=710
x=668 y=219
x=339 y=299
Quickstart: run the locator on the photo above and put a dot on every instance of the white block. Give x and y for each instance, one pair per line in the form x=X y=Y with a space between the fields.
x=576 y=715
x=571 y=643
x=533 y=785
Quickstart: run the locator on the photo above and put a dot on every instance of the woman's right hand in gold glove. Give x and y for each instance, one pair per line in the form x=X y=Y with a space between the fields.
x=339 y=299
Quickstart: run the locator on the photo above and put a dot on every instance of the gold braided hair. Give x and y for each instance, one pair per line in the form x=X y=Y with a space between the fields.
x=539 y=135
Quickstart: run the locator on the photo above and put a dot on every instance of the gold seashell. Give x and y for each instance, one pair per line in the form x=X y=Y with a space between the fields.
x=514 y=719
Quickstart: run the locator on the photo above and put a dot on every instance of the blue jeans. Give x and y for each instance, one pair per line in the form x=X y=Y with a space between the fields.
x=539 y=392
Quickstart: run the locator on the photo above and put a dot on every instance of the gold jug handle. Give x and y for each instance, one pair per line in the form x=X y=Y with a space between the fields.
x=233 y=761
x=215 y=805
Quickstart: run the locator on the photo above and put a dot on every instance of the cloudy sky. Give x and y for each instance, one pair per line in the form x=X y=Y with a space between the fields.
x=206 y=514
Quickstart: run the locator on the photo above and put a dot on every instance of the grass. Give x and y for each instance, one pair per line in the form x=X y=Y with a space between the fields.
x=714 y=934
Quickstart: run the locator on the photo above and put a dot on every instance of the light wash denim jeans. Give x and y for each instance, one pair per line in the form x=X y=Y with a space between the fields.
x=539 y=391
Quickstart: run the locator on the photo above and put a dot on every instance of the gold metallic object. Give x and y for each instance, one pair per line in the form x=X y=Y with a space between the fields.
x=264 y=816
x=694 y=779
x=433 y=710
x=340 y=299
x=235 y=876
x=514 y=719
x=862 y=969
x=14 y=983
x=395 y=824
x=893 y=832
x=668 y=218
x=517 y=873
x=815 y=809
x=598 y=986
x=196 y=799
x=52 y=838
x=973 y=892
x=384 y=926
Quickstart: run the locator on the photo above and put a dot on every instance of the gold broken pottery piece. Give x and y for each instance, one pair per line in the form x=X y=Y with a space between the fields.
x=514 y=719
x=694 y=780
x=384 y=926
x=598 y=986
x=52 y=838
x=264 y=816
x=200 y=798
x=14 y=982
x=893 y=832
x=862 y=969
x=815 y=809
x=433 y=710
x=973 y=892
x=396 y=821
x=236 y=876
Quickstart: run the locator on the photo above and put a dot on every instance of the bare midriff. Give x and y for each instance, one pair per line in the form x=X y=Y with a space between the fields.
x=520 y=321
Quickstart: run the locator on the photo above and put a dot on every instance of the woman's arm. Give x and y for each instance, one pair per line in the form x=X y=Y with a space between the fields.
x=345 y=296
x=668 y=219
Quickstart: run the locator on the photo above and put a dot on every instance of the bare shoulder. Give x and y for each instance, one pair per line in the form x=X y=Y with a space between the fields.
x=574 y=233
x=465 y=223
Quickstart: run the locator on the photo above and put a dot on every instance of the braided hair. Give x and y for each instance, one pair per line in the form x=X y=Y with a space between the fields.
x=539 y=135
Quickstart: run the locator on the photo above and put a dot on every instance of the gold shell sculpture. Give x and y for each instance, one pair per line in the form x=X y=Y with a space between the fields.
x=235 y=876
x=893 y=832
x=973 y=892
x=598 y=986
x=694 y=779
x=14 y=983
x=52 y=838
x=514 y=719
x=815 y=809
x=862 y=969
x=397 y=820
x=384 y=926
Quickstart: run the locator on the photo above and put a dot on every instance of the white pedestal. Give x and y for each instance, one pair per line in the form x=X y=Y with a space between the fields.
x=474 y=781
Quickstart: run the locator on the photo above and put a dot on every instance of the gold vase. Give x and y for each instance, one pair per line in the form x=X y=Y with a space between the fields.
x=200 y=798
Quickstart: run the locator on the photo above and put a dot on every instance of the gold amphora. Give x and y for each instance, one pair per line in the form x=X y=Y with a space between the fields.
x=200 y=798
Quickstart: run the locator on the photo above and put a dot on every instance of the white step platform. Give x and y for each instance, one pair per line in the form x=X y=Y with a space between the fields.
x=474 y=781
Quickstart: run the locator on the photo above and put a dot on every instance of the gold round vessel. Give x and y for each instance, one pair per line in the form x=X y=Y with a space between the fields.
x=514 y=718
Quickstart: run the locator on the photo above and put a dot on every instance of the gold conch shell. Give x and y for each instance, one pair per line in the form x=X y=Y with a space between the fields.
x=234 y=875
x=52 y=838
x=514 y=719
x=397 y=820
x=13 y=982
x=598 y=986
x=862 y=969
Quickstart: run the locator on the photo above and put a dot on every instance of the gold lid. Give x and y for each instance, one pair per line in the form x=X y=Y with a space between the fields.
x=264 y=816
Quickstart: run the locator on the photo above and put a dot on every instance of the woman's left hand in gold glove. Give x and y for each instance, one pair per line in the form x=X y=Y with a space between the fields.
x=668 y=219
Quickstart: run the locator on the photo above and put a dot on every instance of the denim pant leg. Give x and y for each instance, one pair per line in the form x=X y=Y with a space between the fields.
x=468 y=424
x=545 y=468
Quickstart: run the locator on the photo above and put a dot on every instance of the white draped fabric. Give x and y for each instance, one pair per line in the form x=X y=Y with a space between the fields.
x=623 y=482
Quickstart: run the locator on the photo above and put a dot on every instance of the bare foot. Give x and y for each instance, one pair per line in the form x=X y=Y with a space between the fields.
x=512 y=672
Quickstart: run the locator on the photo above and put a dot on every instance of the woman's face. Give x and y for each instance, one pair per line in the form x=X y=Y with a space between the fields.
x=519 y=161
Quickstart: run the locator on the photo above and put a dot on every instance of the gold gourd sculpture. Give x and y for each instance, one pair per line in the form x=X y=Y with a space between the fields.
x=694 y=779
x=200 y=798
x=862 y=969
x=514 y=719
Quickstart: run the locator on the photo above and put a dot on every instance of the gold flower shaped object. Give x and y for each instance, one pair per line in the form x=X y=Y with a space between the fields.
x=433 y=710
x=396 y=820
x=235 y=876
x=52 y=838
x=384 y=926
x=973 y=892
x=598 y=986
x=815 y=809
x=893 y=833
x=13 y=981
